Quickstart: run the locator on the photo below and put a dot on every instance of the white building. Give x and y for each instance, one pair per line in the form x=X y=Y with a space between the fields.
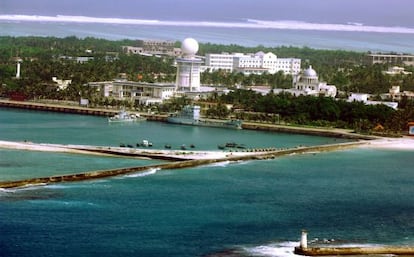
x=361 y=97
x=406 y=59
x=307 y=83
x=149 y=47
x=395 y=70
x=394 y=94
x=187 y=82
x=258 y=63
x=61 y=84
x=142 y=92
x=188 y=67
x=223 y=61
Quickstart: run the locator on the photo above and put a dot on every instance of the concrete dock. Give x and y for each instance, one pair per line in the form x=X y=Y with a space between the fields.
x=335 y=251
x=184 y=159
x=304 y=249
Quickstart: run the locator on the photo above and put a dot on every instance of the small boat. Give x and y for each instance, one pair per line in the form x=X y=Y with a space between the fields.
x=231 y=144
x=124 y=116
x=241 y=146
x=183 y=147
x=145 y=143
x=167 y=146
x=190 y=115
x=221 y=147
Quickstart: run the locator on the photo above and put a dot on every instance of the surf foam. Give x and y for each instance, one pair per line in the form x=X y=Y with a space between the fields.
x=248 y=23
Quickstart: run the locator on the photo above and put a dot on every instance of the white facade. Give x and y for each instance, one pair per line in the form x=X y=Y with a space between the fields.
x=258 y=63
x=224 y=61
x=395 y=70
x=188 y=67
x=308 y=83
x=145 y=93
x=360 y=97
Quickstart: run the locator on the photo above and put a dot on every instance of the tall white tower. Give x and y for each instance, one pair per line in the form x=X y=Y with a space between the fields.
x=19 y=61
x=188 y=67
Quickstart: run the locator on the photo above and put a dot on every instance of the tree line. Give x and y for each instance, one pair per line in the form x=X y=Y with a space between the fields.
x=316 y=111
x=45 y=57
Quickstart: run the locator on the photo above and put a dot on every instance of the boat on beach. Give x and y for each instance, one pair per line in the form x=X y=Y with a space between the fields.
x=190 y=115
x=124 y=116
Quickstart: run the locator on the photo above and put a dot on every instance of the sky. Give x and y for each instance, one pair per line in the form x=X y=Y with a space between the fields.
x=367 y=12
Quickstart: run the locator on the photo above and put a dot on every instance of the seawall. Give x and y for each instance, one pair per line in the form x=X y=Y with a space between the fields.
x=172 y=165
x=325 y=251
x=69 y=109
x=162 y=118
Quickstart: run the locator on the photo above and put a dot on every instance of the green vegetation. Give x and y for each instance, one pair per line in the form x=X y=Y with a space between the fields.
x=47 y=57
x=316 y=111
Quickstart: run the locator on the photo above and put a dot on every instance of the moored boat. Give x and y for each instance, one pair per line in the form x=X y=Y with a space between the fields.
x=124 y=116
x=190 y=115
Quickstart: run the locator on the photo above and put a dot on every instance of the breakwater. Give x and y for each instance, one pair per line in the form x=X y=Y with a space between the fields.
x=172 y=165
x=338 y=133
x=303 y=249
x=332 y=251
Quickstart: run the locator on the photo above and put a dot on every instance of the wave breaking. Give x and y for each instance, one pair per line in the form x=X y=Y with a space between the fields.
x=246 y=24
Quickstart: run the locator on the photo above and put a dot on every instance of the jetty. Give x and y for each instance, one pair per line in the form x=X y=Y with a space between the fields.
x=304 y=249
x=177 y=159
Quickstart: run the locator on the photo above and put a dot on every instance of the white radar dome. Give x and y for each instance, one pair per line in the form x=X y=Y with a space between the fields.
x=189 y=46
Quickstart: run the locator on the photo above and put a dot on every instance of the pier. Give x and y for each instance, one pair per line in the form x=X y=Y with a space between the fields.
x=303 y=249
x=179 y=159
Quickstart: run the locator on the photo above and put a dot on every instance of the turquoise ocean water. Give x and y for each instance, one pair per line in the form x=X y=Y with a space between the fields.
x=255 y=208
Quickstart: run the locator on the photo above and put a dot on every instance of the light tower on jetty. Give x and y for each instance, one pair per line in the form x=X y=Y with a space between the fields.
x=188 y=67
x=304 y=240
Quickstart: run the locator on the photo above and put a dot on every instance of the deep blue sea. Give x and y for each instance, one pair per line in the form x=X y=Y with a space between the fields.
x=255 y=208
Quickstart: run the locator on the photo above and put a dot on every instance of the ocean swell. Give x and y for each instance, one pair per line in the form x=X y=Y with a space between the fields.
x=248 y=23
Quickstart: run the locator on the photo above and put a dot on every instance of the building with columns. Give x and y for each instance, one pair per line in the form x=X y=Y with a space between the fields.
x=307 y=83
x=141 y=92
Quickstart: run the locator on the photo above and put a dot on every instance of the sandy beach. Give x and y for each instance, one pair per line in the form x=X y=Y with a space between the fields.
x=403 y=143
x=85 y=149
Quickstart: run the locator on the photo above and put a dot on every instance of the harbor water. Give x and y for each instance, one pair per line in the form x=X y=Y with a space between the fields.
x=256 y=208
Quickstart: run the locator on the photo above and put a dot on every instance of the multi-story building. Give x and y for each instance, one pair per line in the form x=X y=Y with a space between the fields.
x=141 y=92
x=153 y=47
x=187 y=82
x=389 y=58
x=258 y=63
x=223 y=61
